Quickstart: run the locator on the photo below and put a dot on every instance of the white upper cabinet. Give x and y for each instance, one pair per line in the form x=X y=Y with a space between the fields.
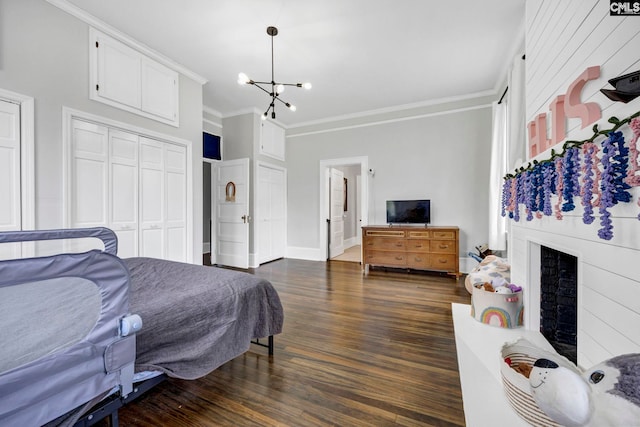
x=125 y=78
x=272 y=140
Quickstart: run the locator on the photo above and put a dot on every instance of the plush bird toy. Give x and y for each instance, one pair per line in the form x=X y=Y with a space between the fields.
x=606 y=395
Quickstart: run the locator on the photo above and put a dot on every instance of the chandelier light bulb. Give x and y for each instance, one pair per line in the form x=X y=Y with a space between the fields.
x=264 y=116
x=306 y=85
x=291 y=107
x=279 y=88
x=243 y=79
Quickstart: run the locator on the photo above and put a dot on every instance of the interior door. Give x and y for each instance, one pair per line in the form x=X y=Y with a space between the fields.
x=231 y=187
x=336 y=203
x=270 y=213
x=10 y=208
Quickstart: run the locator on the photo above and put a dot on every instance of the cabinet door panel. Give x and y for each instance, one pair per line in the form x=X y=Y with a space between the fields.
x=159 y=90
x=118 y=72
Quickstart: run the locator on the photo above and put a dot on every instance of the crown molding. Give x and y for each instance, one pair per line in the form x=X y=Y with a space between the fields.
x=212 y=111
x=396 y=108
x=399 y=119
x=100 y=25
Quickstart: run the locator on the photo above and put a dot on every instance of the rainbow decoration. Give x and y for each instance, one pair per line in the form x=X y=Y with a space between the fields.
x=490 y=313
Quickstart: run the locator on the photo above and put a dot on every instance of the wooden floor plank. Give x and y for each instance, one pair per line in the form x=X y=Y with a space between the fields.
x=356 y=350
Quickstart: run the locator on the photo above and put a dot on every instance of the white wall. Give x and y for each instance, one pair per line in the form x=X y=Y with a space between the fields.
x=562 y=40
x=439 y=155
x=44 y=53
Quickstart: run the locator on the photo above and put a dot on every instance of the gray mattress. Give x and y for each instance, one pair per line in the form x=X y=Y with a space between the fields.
x=196 y=318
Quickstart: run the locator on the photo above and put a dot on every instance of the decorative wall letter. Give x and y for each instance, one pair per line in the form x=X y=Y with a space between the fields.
x=558 y=120
x=589 y=112
x=538 y=141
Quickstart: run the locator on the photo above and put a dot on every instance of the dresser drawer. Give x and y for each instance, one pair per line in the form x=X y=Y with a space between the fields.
x=418 y=245
x=385 y=233
x=392 y=259
x=385 y=243
x=418 y=260
x=443 y=262
x=443 y=234
x=419 y=234
x=443 y=246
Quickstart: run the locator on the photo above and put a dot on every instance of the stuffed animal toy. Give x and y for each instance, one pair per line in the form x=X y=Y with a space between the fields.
x=606 y=395
x=489 y=269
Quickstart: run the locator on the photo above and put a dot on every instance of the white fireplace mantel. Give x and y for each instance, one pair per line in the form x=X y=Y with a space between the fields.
x=478 y=349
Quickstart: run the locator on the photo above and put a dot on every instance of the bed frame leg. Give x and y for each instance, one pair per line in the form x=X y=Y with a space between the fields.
x=270 y=345
x=114 y=419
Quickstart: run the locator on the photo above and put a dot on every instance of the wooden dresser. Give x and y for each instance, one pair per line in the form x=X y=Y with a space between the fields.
x=420 y=248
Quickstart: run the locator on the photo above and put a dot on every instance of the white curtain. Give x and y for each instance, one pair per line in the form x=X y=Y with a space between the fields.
x=517 y=151
x=497 y=223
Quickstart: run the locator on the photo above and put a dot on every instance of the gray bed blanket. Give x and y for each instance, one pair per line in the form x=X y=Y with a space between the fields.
x=196 y=318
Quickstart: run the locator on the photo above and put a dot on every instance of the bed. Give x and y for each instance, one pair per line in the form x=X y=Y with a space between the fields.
x=70 y=326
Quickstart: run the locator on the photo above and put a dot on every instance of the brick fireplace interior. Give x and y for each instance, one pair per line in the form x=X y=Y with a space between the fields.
x=559 y=301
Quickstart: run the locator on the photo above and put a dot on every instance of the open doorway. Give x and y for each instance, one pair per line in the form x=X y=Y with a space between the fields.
x=352 y=202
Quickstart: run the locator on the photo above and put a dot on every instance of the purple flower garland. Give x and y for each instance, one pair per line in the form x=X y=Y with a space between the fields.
x=614 y=189
x=589 y=149
x=549 y=187
x=633 y=177
x=565 y=178
x=570 y=178
x=620 y=163
x=506 y=196
x=559 y=185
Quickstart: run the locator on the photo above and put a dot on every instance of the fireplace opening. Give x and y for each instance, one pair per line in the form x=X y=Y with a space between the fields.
x=559 y=301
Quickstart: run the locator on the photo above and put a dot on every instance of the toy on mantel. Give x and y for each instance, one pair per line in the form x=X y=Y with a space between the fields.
x=500 y=286
x=606 y=395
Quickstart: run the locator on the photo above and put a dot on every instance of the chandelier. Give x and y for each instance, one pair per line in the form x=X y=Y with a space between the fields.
x=275 y=88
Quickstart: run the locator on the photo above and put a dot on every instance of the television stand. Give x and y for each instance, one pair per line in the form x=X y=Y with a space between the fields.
x=418 y=248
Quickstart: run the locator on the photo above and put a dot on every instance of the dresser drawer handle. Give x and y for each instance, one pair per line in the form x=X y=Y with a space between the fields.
x=370 y=244
x=399 y=258
x=418 y=259
x=442 y=261
x=444 y=246
x=418 y=246
x=399 y=245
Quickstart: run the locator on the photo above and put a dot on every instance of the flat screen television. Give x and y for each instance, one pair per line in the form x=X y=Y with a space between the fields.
x=408 y=211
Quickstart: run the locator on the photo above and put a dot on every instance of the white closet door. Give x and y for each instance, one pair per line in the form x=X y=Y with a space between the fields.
x=152 y=198
x=10 y=209
x=278 y=213
x=123 y=191
x=271 y=213
x=176 y=202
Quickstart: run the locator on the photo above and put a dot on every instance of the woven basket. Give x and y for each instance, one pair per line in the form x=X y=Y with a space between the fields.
x=516 y=385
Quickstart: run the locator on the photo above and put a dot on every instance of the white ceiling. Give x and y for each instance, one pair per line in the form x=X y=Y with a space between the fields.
x=360 y=55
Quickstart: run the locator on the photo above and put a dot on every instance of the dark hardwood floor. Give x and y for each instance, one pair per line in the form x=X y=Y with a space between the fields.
x=356 y=350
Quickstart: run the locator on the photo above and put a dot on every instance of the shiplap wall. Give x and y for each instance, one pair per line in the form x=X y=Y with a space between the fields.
x=563 y=38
